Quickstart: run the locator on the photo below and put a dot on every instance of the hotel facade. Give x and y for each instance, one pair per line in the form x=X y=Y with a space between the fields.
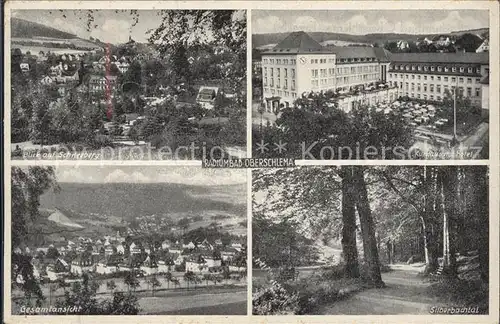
x=428 y=76
x=299 y=65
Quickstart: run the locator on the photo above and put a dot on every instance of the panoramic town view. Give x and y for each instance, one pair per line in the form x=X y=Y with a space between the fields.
x=382 y=240
x=128 y=240
x=128 y=84
x=396 y=84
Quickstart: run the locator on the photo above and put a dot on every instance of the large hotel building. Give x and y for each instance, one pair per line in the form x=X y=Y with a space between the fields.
x=299 y=65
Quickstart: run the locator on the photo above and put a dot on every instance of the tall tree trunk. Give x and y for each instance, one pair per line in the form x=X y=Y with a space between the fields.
x=427 y=218
x=367 y=228
x=349 y=248
x=448 y=201
x=481 y=208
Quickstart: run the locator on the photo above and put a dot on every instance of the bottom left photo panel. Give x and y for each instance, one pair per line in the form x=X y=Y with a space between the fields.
x=128 y=240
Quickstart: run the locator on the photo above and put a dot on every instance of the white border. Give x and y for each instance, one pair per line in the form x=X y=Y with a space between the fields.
x=493 y=161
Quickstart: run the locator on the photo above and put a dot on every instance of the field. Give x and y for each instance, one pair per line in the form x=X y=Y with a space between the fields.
x=227 y=300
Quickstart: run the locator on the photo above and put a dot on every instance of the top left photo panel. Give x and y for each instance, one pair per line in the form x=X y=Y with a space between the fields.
x=126 y=84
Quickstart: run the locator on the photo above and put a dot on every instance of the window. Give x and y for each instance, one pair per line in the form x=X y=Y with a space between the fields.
x=432 y=78
x=461 y=80
x=478 y=70
x=419 y=77
x=478 y=80
x=419 y=68
x=425 y=87
x=438 y=88
x=431 y=88
x=439 y=98
x=293 y=73
x=314 y=73
x=412 y=86
x=440 y=68
x=413 y=76
x=432 y=68
x=278 y=83
x=413 y=67
x=478 y=92
x=286 y=72
x=446 y=69
x=407 y=76
x=469 y=80
x=323 y=73
x=445 y=79
x=272 y=72
x=418 y=87
x=265 y=81
x=407 y=86
x=453 y=69
x=293 y=84
x=461 y=69
x=469 y=92
x=418 y=95
x=425 y=77
x=439 y=78
x=285 y=86
x=453 y=79
x=469 y=70
x=390 y=75
x=432 y=97
x=278 y=73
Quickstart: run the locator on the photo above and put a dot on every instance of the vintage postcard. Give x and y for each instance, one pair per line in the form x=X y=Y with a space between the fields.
x=202 y=162
x=383 y=84
x=128 y=241
x=127 y=84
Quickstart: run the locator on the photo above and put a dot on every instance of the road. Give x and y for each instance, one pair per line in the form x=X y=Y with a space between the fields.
x=405 y=294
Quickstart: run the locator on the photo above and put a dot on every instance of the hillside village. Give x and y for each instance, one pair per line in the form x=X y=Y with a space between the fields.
x=112 y=256
x=123 y=95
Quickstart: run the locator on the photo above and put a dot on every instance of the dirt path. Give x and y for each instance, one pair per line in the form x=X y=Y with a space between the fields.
x=405 y=294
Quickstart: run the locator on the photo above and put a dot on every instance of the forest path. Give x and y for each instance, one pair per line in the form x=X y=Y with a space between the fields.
x=405 y=293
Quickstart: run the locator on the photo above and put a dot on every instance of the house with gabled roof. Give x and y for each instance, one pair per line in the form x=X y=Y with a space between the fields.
x=82 y=263
x=150 y=265
x=108 y=264
x=58 y=270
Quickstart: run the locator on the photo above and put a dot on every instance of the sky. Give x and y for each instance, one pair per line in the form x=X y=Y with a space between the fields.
x=361 y=22
x=151 y=174
x=111 y=27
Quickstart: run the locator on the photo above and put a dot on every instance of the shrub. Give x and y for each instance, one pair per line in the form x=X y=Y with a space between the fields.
x=275 y=300
x=101 y=141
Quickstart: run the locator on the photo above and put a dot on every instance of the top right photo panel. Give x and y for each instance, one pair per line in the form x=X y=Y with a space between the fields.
x=370 y=84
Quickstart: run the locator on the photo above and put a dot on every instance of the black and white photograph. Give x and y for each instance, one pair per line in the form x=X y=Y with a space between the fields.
x=370 y=84
x=121 y=240
x=378 y=240
x=128 y=84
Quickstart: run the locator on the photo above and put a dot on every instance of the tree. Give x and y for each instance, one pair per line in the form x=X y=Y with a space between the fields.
x=189 y=277
x=27 y=185
x=154 y=283
x=168 y=277
x=82 y=296
x=131 y=280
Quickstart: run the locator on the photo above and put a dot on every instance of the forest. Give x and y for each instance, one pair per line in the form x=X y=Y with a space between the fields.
x=426 y=223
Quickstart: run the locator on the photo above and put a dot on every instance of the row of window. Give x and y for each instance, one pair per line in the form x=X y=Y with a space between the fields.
x=431 y=88
x=358 y=69
x=431 y=77
x=278 y=72
x=433 y=68
x=281 y=93
x=280 y=61
x=357 y=78
x=278 y=83
x=320 y=60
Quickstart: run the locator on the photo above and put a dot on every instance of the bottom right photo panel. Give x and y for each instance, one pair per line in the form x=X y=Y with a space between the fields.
x=370 y=240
